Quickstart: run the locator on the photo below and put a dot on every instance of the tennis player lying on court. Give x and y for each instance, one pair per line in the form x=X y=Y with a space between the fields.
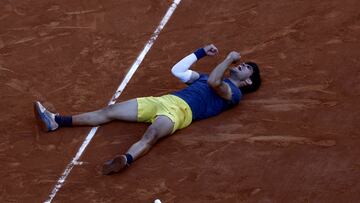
x=205 y=96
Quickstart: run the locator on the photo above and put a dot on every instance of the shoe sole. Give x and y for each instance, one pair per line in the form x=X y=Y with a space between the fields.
x=114 y=165
x=39 y=120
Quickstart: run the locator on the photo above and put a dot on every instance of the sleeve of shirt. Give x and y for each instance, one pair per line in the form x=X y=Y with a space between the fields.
x=236 y=93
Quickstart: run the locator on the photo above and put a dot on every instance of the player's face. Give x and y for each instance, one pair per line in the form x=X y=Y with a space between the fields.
x=242 y=72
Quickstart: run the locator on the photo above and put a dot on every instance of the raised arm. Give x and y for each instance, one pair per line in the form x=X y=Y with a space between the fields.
x=182 y=70
x=216 y=77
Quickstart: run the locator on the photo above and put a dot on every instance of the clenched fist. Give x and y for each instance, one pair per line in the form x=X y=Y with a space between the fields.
x=234 y=56
x=211 y=50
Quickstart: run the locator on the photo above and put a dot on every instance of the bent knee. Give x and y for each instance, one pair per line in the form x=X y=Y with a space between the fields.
x=151 y=135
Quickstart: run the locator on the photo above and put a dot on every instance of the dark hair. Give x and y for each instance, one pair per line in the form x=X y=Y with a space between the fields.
x=255 y=78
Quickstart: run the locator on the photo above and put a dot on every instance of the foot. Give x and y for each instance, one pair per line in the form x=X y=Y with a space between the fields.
x=45 y=118
x=114 y=165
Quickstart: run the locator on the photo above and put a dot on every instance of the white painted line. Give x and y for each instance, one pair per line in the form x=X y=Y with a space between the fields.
x=118 y=92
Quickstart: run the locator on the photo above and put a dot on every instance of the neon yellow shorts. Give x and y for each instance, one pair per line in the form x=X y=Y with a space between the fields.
x=168 y=105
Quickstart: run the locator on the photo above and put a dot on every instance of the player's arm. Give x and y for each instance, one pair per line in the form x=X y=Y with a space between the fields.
x=216 y=77
x=182 y=70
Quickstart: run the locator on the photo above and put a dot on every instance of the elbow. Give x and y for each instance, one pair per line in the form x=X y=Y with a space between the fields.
x=173 y=69
x=213 y=83
x=176 y=69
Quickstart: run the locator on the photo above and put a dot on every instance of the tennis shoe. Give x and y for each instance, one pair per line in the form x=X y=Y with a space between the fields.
x=114 y=165
x=45 y=118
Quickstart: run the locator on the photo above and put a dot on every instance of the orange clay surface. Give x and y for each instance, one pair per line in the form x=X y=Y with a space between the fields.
x=295 y=140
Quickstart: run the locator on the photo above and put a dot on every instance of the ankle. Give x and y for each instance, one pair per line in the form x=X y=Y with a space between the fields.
x=63 y=121
x=129 y=159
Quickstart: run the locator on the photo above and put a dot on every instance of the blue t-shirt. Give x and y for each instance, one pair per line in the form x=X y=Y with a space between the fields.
x=203 y=100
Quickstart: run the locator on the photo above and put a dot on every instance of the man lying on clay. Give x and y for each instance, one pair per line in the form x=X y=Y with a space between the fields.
x=205 y=96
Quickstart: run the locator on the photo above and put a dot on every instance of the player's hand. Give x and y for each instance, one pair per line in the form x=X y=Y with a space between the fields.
x=234 y=56
x=211 y=50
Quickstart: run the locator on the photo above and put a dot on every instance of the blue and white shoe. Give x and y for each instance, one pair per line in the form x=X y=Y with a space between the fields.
x=45 y=118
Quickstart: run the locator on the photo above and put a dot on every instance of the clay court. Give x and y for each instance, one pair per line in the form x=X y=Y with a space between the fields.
x=295 y=140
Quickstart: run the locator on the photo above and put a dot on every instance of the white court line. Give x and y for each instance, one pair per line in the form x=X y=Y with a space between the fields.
x=118 y=92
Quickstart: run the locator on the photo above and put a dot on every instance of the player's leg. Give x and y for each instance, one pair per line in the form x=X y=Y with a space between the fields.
x=160 y=128
x=126 y=111
x=49 y=121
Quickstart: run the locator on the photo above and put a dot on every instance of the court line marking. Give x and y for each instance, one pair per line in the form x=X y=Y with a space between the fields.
x=118 y=92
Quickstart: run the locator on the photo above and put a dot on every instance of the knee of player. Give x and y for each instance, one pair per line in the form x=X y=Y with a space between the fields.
x=151 y=135
x=109 y=110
